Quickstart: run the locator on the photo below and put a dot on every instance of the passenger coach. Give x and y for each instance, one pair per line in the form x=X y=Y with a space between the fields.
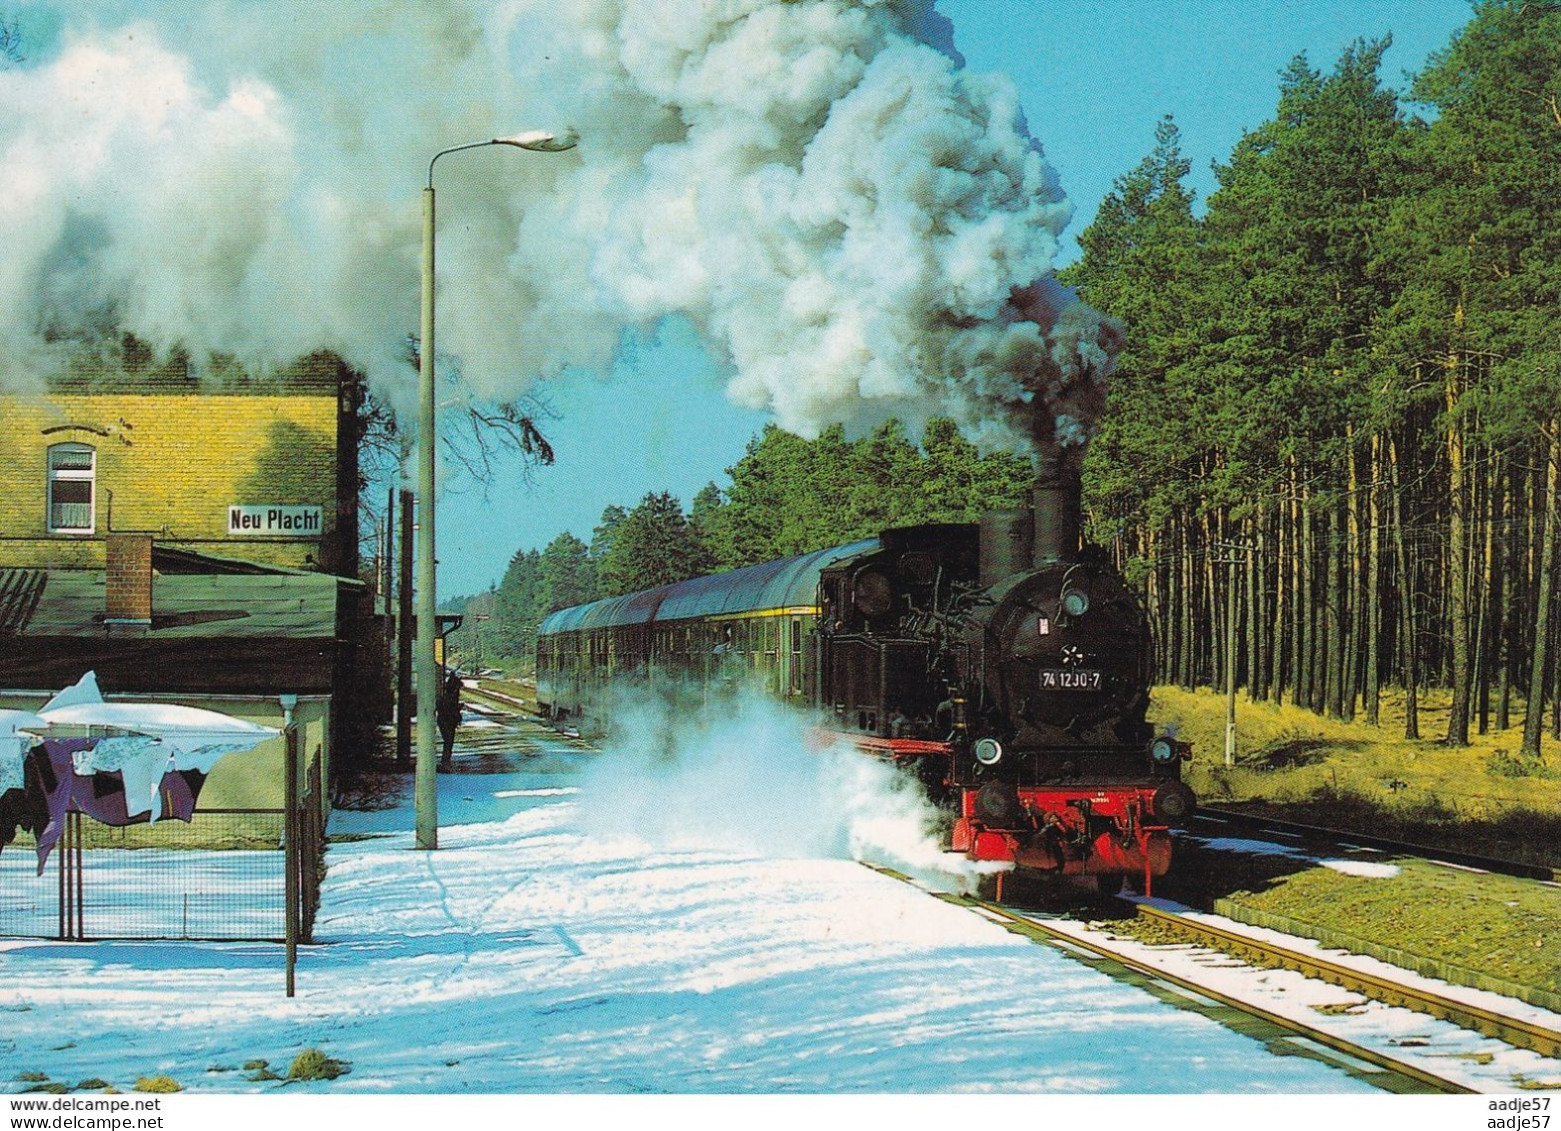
x=751 y=627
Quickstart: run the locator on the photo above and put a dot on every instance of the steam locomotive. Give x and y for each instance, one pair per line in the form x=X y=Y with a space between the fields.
x=1001 y=664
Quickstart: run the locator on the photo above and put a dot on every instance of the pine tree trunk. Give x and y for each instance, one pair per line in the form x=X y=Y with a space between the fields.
x=1479 y=702
x=1533 y=722
x=1281 y=634
x=1298 y=602
x=1219 y=651
x=1257 y=623
x=1185 y=660
x=1152 y=603
x=1457 y=566
x=1509 y=608
x=1409 y=644
x=1372 y=644
x=1354 y=621
x=1306 y=608
x=1333 y=621
x=1213 y=648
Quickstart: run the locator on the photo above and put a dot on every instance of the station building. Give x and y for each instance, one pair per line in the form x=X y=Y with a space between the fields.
x=191 y=538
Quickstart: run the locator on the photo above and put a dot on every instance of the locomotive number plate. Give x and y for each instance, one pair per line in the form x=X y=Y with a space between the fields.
x=1070 y=679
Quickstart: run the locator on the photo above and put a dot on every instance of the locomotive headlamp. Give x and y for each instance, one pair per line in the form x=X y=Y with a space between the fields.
x=1162 y=750
x=988 y=751
x=1075 y=602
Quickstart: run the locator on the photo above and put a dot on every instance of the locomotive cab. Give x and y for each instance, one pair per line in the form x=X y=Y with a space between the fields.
x=875 y=651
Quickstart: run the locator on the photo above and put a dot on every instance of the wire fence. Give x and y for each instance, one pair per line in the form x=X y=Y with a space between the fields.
x=224 y=875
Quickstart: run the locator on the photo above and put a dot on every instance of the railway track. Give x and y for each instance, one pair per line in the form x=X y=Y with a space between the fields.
x=1510 y=1030
x=1213 y=819
x=502 y=699
x=1388 y=1072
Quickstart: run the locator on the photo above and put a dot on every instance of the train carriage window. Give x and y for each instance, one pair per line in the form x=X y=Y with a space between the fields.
x=796 y=655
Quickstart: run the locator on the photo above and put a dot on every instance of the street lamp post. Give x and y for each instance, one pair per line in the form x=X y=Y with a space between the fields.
x=425 y=798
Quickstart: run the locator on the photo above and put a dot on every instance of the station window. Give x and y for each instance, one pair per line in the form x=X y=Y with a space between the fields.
x=72 y=479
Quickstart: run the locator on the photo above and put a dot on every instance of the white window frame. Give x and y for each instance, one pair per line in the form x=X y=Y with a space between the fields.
x=87 y=475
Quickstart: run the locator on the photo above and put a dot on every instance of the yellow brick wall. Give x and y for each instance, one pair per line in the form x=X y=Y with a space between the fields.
x=170 y=465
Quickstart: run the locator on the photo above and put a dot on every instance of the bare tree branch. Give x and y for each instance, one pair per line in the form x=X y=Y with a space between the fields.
x=479 y=434
x=11 y=41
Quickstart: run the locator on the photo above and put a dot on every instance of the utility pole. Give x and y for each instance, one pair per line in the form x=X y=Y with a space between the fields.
x=1230 y=665
x=425 y=796
x=404 y=633
x=1239 y=552
x=481 y=651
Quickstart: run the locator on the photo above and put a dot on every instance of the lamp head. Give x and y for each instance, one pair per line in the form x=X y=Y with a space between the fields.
x=542 y=141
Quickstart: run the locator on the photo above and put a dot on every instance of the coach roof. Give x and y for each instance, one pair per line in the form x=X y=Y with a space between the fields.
x=783 y=584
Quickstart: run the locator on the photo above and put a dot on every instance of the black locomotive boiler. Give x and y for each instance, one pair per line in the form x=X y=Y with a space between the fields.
x=1005 y=666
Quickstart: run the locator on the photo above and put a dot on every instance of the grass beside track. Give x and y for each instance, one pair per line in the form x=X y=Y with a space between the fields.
x=1293 y=764
x=1504 y=928
x=1301 y=767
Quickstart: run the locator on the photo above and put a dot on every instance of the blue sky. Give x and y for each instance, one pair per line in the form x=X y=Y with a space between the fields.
x=1094 y=76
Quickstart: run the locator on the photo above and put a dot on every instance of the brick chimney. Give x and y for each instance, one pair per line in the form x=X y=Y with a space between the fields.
x=128 y=602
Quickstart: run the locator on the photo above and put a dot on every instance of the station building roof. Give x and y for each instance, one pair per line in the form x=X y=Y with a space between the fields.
x=216 y=625
x=783 y=584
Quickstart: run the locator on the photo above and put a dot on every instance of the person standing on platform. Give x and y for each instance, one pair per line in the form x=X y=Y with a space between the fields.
x=449 y=717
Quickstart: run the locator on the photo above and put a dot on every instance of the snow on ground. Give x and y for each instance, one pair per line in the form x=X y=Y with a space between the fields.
x=529 y=954
x=1365 y=868
x=1480 y=1063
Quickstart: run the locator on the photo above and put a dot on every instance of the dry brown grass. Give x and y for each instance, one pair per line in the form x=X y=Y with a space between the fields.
x=1286 y=754
x=1372 y=780
x=522 y=690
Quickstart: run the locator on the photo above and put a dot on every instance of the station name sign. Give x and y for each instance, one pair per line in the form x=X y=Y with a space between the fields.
x=276 y=521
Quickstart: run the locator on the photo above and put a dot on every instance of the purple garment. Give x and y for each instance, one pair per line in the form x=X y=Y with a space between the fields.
x=101 y=796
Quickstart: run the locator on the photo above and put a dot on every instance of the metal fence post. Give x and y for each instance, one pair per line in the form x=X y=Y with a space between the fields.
x=62 y=854
x=314 y=847
x=294 y=855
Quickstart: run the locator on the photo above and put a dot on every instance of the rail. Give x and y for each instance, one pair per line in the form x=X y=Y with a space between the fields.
x=1511 y=1030
x=1395 y=1075
x=1208 y=814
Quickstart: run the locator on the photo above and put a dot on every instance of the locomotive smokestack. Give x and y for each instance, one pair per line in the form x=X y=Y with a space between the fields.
x=1057 y=503
x=1007 y=542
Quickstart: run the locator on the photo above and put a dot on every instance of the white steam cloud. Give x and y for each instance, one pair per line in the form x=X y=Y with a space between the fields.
x=846 y=214
x=751 y=779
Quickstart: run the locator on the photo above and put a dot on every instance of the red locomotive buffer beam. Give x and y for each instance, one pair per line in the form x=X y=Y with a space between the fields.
x=1051 y=828
x=1058 y=839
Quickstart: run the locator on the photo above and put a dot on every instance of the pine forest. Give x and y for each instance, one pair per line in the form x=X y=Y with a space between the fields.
x=1331 y=450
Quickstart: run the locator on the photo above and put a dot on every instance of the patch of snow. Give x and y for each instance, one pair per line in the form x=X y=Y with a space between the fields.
x=1362 y=868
